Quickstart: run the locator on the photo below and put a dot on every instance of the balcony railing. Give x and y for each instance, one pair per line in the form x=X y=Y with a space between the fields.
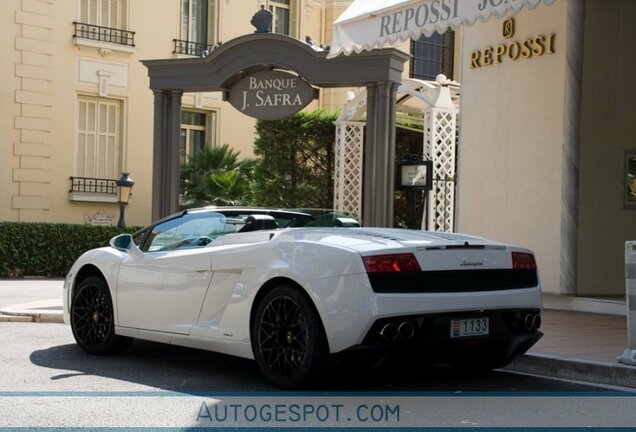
x=93 y=185
x=190 y=48
x=104 y=34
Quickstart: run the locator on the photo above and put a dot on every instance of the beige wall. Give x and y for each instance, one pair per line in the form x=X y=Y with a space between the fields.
x=608 y=130
x=8 y=110
x=511 y=141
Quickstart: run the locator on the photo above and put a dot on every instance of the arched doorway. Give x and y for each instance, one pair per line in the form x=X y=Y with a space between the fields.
x=378 y=71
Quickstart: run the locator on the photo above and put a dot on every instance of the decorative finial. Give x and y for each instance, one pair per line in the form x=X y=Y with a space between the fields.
x=262 y=20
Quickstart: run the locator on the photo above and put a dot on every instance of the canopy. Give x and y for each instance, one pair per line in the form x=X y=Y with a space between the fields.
x=369 y=24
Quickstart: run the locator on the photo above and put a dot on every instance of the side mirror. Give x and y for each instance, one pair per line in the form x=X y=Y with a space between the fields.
x=122 y=242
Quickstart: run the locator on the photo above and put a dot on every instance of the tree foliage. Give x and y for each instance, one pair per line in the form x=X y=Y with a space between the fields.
x=296 y=161
x=217 y=176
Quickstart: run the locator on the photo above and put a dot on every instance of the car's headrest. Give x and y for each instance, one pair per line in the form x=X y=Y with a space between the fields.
x=346 y=222
x=258 y=223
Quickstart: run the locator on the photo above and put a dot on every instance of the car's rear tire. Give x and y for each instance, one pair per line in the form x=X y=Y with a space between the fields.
x=92 y=318
x=288 y=339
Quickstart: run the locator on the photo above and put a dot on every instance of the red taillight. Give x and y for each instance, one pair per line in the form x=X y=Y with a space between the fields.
x=391 y=263
x=523 y=261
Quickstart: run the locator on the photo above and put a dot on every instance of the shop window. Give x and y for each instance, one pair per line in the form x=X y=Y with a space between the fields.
x=630 y=179
x=198 y=130
x=433 y=55
x=98 y=138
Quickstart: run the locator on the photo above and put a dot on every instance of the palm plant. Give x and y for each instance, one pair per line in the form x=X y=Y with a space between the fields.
x=216 y=176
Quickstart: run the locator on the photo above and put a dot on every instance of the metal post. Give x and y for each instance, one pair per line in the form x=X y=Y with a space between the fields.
x=629 y=356
x=121 y=223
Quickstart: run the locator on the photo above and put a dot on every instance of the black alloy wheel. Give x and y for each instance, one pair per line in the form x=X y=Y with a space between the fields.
x=288 y=340
x=92 y=320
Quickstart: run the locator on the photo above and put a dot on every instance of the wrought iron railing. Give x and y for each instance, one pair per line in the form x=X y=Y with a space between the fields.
x=104 y=34
x=190 y=48
x=93 y=185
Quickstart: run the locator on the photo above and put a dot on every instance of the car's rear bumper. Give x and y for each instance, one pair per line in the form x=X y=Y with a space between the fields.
x=431 y=339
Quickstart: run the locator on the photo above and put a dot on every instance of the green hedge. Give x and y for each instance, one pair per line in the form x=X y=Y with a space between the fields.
x=46 y=249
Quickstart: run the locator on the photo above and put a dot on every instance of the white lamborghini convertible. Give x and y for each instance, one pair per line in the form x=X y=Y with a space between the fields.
x=266 y=285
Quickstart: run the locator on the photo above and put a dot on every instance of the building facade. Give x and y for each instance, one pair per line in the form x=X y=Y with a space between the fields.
x=76 y=110
x=546 y=153
x=546 y=157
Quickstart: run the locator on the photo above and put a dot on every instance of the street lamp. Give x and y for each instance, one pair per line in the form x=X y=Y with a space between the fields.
x=124 y=186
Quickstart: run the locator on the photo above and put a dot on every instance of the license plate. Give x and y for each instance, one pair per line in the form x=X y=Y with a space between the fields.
x=469 y=327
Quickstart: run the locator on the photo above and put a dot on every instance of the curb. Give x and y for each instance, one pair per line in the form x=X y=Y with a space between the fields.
x=48 y=311
x=15 y=318
x=31 y=317
x=588 y=371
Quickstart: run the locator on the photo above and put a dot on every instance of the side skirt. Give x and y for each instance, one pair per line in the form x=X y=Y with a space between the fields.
x=235 y=348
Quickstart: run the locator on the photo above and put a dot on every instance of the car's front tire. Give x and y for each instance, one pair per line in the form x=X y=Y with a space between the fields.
x=92 y=318
x=288 y=339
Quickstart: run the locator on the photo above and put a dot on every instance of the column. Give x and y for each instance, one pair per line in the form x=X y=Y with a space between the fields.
x=158 y=154
x=173 y=142
x=379 y=175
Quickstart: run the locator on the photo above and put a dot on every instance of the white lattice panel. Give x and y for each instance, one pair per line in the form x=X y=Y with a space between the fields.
x=438 y=101
x=348 y=167
x=440 y=132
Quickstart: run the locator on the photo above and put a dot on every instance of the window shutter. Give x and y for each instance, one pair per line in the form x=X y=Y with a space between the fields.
x=111 y=143
x=83 y=16
x=86 y=138
x=115 y=14
x=294 y=18
x=213 y=26
x=98 y=138
x=82 y=139
x=101 y=140
x=185 y=19
x=92 y=12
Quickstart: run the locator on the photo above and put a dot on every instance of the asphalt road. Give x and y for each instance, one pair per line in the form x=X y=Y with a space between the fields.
x=47 y=380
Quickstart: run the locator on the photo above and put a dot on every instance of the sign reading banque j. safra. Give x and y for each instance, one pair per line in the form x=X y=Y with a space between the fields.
x=271 y=95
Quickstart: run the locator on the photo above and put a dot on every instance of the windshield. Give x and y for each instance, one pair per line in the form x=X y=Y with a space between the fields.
x=190 y=230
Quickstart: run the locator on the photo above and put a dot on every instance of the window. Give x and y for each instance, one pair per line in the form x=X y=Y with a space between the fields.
x=432 y=56
x=103 y=13
x=198 y=129
x=198 y=27
x=103 y=21
x=98 y=138
x=284 y=14
x=280 y=13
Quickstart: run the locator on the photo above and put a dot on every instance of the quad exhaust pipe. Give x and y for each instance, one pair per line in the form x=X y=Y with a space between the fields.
x=391 y=332
x=532 y=321
x=406 y=330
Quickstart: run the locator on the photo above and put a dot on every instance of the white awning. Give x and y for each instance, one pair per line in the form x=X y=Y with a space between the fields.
x=369 y=24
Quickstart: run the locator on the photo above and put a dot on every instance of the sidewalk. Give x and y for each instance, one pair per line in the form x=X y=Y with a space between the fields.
x=580 y=346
